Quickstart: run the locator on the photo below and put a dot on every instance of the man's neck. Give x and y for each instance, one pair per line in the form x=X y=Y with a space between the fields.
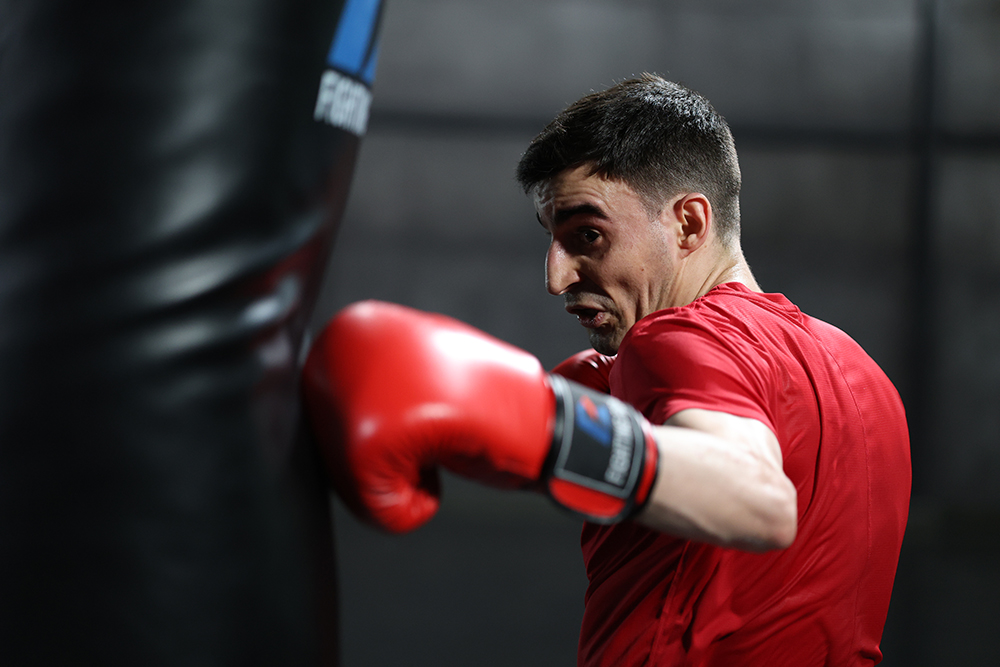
x=725 y=267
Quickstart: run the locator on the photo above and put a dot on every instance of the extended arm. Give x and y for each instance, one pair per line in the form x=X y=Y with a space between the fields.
x=721 y=481
x=394 y=394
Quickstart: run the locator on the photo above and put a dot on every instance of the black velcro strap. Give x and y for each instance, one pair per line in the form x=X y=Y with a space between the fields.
x=598 y=441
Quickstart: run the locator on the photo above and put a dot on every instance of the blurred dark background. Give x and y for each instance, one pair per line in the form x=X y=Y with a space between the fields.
x=869 y=138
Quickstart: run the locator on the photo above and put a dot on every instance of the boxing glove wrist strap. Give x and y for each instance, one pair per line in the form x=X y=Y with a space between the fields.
x=603 y=459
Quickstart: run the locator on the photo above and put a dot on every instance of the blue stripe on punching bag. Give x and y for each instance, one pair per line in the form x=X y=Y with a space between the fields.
x=354 y=34
x=368 y=76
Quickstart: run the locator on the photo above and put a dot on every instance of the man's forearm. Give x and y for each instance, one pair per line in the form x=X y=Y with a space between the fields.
x=724 y=489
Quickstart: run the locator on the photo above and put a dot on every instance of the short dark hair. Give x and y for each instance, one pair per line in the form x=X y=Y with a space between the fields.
x=658 y=137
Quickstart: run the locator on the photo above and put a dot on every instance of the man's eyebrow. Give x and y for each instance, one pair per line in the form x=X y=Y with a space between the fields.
x=564 y=214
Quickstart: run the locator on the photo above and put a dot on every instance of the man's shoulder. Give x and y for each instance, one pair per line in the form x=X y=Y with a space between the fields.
x=730 y=309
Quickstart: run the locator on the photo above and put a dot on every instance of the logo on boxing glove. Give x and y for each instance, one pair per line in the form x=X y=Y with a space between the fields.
x=599 y=443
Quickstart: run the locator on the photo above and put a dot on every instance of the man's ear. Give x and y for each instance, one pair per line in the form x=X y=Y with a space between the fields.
x=693 y=212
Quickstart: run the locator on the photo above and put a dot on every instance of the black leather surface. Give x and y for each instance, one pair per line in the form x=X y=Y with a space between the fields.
x=167 y=204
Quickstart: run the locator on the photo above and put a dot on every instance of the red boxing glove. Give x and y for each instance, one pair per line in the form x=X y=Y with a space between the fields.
x=590 y=368
x=393 y=393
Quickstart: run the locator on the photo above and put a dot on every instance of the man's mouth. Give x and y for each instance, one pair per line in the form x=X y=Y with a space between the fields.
x=591 y=318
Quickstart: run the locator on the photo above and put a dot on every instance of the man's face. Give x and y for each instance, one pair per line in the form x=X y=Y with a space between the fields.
x=610 y=260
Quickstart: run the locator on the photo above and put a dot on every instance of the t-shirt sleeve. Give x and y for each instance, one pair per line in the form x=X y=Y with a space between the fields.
x=674 y=364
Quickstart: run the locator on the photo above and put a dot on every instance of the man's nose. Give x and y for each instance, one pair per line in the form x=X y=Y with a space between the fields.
x=562 y=270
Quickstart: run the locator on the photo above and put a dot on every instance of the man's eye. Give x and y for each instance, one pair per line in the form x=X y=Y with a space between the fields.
x=589 y=235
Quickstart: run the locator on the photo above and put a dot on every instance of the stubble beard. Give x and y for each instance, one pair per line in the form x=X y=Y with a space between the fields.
x=605 y=341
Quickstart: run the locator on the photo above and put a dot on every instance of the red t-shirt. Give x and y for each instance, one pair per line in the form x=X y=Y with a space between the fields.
x=654 y=599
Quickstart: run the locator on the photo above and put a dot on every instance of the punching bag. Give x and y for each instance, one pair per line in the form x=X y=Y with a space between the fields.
x=172 y=174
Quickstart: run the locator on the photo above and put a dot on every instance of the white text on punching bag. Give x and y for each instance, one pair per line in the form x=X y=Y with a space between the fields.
x=343 y=102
